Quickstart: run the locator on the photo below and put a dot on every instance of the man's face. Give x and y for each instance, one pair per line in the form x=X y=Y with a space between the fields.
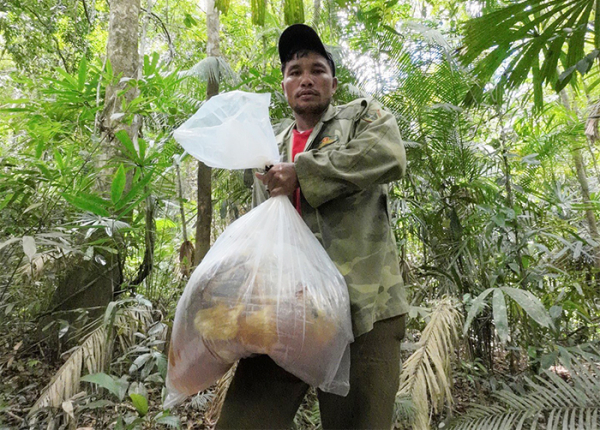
x=308 y=84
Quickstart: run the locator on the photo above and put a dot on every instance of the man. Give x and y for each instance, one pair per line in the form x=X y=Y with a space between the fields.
x=337 y=162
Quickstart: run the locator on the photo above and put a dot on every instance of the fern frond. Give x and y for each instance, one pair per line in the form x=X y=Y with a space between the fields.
x=426 y=374
x=551 y=401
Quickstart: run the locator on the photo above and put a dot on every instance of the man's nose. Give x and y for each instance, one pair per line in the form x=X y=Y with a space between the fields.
x=306 y=80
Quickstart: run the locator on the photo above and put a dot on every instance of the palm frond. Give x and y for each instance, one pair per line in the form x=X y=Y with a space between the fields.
x=214 y=410
x=425 y=375
x=212 y=68
x=92 y=354
x=65 y=384
x=550 y=400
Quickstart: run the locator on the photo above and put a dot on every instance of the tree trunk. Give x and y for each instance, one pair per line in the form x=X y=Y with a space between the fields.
x=204 y=222
x=122 y=52
x=91 y=284
x=590 y=216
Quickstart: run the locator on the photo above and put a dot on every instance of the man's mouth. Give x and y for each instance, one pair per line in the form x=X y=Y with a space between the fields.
x=307 y=94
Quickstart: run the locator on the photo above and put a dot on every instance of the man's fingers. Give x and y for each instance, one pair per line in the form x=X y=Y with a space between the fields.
x=276 y=192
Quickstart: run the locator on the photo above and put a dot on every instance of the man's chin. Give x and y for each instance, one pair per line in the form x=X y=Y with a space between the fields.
x=312 y=110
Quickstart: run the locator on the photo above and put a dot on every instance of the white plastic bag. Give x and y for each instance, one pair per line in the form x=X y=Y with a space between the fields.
x=231 y=131
x=266 y=286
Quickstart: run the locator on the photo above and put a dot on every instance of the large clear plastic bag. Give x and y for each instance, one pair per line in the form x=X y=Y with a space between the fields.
x=266 y=286
x=231 y=131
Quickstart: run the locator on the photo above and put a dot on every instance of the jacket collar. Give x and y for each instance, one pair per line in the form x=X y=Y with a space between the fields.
x=286 y=134
x=329 y=114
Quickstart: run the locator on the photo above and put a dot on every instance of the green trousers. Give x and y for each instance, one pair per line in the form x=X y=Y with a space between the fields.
x=264 y=396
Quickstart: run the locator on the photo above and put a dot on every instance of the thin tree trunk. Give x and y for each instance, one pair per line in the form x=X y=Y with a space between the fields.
x=590 y=216
x=316 y=13
x=145 y=20
x=204 y=222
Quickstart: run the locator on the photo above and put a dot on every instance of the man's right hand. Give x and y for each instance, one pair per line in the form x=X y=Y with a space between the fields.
x=280 y=180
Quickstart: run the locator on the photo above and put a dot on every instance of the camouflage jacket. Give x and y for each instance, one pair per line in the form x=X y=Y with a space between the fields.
x=350 y=156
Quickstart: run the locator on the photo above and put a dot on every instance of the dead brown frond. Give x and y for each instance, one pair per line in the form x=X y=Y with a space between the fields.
x=214 y=410
x=65 y=383
x=425 y=376
x=591 y=125
x=92 y=355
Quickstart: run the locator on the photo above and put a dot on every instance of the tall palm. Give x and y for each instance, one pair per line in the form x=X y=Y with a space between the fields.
x=534 y=36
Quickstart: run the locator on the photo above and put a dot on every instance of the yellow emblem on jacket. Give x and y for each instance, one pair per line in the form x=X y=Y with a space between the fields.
x=372 y=116
x=328 y=140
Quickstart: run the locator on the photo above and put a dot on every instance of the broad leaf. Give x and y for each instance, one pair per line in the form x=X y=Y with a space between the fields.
x=29 y=247
x=118 y=184
x=118 y=387
x=127 y=144
x=530 y=304
x=140 y=403
x=135 y=191
x=82 y=73
x=500 y=315
x=89 y=203
x=476 y=307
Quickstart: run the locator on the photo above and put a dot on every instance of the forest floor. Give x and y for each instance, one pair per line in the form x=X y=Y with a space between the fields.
x=26 y=370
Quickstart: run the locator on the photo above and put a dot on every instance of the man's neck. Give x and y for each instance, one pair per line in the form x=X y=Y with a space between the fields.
x=307 y=121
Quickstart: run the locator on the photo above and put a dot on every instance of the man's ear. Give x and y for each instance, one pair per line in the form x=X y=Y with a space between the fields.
x=334 y=84
x=283 y=89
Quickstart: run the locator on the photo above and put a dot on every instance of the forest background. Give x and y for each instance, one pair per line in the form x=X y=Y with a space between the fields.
x=102 y=218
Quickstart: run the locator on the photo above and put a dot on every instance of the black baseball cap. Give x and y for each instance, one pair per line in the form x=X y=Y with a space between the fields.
x=300 y=37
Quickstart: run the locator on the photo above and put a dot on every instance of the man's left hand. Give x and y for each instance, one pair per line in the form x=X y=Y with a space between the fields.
x=281 y=179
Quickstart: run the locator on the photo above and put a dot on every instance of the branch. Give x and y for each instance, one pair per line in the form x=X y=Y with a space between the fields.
x=162 y=24
x=51 y=34
x=87 y=15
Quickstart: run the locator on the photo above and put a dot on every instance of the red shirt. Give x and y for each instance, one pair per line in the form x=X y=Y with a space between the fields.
x=299 y=139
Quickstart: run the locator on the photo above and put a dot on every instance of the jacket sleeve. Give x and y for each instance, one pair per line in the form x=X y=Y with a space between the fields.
x=375 y=155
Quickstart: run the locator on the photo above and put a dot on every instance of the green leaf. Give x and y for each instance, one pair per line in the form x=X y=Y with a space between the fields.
x=60 y=162
x=118 y=387
x=500 y=315
x=82 y=74
x=530 y=304
x=476 y=307
x=597 y=25
x=142 y=145
x=222 y=6
x=293 y=11
x=127 y=144
x=39 y=149
x=89 y=203
x=577 y=39
x=69 y=81
x=118 y=184
x=6 y=200
x=258 y=9
x=140 y=403
x=136 y=189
